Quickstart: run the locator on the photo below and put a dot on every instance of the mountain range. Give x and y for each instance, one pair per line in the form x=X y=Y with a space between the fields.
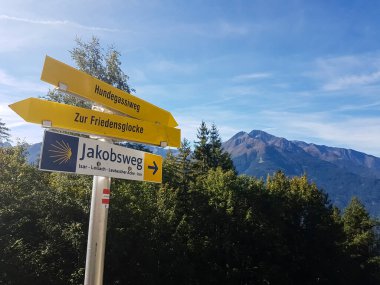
x=342 y=173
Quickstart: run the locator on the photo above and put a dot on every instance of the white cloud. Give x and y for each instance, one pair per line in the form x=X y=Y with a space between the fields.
x=10 y=118
x=19 y=129
x=236 y=91
x=30 y=133
x=137 y=75
x=251 y=76
x=217 y=29
x=6 y=79
x=347 y=72
x=361 y=134
x=5 y=111
x=228 y=28
x=359 y=107
x=15 y=85
x=228 y=121
x=55 y=23
x=31 y=21
x=188 y=123
x=350 y=81
x=173 y=67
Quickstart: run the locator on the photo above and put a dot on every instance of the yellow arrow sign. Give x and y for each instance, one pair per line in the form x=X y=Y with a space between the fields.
x=82 y=120
x=152 y=168
x=88 y=87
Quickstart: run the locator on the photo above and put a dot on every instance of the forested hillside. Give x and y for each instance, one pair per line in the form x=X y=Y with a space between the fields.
x=203 y=225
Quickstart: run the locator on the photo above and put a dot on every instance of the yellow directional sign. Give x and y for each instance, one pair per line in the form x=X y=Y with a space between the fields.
x=82 y=84
x=61 y=116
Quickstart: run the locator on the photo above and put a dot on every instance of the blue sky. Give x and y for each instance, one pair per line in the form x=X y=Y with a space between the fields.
x=303 y=70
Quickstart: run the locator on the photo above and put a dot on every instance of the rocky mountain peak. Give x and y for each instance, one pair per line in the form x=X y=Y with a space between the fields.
x=342 y=173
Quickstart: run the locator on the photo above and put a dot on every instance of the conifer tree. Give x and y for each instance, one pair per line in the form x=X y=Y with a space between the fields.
x=4 y=132
x=359 y=227
x=215 y=146
x=208 y=152
x=184 y=163
x=202 y=153
x=169 y=170
x=219 y=157
x=361 y=243
x=177 y=169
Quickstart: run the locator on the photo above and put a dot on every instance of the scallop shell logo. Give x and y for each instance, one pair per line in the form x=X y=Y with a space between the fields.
x=60 y=152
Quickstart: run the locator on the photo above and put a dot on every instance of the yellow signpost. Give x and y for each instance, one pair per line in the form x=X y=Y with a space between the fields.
x=82 y=84
x=62 y=116
x=146 y=123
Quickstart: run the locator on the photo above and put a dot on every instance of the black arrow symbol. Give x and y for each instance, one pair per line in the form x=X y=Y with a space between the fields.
x=155 y=167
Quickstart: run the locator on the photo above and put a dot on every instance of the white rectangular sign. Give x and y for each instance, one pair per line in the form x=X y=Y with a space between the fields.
x=61 y=152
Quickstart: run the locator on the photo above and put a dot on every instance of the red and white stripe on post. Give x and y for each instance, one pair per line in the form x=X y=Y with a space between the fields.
x=106 y=197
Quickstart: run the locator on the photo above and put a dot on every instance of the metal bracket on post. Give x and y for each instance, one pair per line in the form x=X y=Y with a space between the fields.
x=46 y=124
x=62 y=86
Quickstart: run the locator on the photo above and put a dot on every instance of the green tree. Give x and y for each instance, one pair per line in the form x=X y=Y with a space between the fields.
x=219 y=157
x=359 y=228
x=169 y=170
x=361 y=243
x=42 y=237
x=4 y=132
x=92 y=59
x=305 y=231
x=178 y=168
x=208 y=151
x=184 y=164
x=133 y=223
x=202 y=150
